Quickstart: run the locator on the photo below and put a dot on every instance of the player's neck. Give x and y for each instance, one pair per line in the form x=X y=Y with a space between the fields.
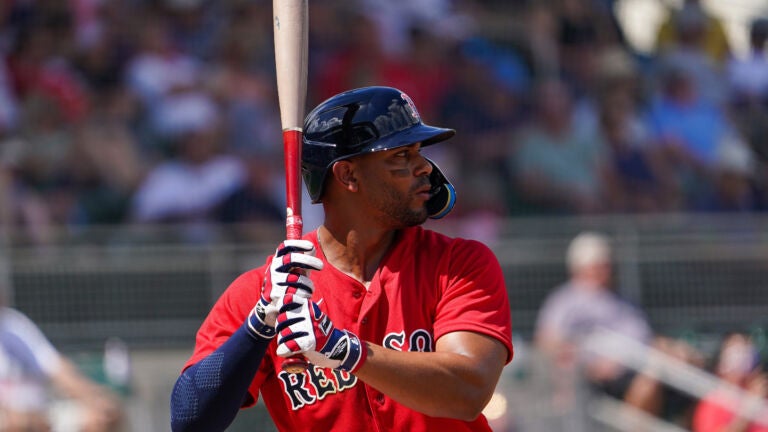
x=357 y=253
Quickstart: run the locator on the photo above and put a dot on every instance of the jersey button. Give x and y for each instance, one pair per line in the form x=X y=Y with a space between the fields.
x=364 y=320
x=356 y=294
x=380 y=399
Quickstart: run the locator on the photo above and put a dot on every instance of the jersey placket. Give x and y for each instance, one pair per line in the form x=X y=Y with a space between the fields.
x=372 y=330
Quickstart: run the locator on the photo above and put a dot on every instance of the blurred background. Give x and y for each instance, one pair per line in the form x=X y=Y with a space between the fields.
x=141 y=171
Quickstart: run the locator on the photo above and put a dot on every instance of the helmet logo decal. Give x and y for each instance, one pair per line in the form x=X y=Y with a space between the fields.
x=410 y=106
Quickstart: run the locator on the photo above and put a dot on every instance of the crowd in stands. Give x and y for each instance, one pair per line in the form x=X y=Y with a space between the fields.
x=137 y=111
x=165 y=111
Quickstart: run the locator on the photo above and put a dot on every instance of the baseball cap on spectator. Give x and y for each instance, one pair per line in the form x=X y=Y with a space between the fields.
x=588 y=248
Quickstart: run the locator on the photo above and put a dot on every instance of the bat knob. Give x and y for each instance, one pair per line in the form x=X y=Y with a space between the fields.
x=295 y=365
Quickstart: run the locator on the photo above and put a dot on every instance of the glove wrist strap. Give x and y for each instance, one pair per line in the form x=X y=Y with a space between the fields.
x=357 y=354
x=255 y=323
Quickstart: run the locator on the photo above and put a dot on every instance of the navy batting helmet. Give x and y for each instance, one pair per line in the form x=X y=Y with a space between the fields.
x=367 y=120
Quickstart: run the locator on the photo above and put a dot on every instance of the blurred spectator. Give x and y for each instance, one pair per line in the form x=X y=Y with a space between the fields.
x=421 y=68
x=583 y=32
x=557 y=166
x=748 y=76
x=356 y=63
x=541 y=29
x=188 y=187
x=105 y=163
x=691 y=54
x=736 y=185
x=168 y=83
x=103 y=43
x=607 y=10
x=245 y=91
x=41 y=69
x=688 y=130
x=32 y=371
x=327 y=37
x=395 y=19
x=52 y=104
x=9 y=107
x=424 y=70
x=588 y=302
x=725 y=411
x=481 y=213
x=638 y=181
x=22 y=210
x=693 y=24
x=482 y=105
x=196 y=26
x=7 y=210
x=254 y=202
x=484 y=109
x=748 y=80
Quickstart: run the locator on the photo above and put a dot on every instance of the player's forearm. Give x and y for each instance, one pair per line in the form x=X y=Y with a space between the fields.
x=439 y=384
x=208 y=395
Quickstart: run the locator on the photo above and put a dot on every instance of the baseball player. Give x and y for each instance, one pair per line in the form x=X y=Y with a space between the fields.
x=405 y=329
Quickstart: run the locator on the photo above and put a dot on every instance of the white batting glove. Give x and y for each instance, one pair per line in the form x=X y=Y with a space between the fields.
x=305 y=329
x=289 y=272
x=286 y=281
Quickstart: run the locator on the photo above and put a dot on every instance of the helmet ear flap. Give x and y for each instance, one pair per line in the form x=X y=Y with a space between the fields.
x=443 y=194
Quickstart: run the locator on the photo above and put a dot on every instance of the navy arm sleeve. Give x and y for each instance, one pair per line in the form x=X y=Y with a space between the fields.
x=208 y=394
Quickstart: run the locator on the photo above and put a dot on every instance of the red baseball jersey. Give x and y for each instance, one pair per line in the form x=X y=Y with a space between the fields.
x=427 y=285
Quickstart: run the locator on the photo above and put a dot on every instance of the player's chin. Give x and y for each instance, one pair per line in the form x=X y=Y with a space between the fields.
x=416 y=216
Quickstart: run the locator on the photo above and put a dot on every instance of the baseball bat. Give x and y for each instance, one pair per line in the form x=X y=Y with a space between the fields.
x=290 y=23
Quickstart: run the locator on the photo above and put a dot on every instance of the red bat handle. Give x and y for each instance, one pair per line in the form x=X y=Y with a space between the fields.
x=292 y=151
x=293 y=222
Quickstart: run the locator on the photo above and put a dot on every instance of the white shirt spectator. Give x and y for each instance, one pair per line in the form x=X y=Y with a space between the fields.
x=181 y=190
x=749 y=76
x=168 y=82
x=28 y=362
x=575 y=312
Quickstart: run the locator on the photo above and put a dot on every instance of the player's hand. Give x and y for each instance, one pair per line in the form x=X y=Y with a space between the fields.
x=305 y=329
x=289 y=272
x=287 y=278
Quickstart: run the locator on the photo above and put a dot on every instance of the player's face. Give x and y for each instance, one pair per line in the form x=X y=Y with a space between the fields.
x=396 y=183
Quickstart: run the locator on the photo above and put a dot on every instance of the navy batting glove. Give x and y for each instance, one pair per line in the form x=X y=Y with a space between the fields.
x=305 y=329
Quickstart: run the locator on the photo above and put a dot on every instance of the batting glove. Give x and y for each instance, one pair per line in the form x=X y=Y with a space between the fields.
x=261 y=320
x=305 y=329
x=286 y=281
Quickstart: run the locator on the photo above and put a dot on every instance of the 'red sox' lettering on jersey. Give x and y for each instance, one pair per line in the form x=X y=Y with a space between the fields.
x=316 y=383
x=404 y=308
x=420 y=340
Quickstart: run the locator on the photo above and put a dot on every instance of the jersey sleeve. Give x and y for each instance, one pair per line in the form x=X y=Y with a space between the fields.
x=474 y=296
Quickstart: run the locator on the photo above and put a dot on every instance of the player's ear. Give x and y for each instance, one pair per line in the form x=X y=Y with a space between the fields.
x=344 y=175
